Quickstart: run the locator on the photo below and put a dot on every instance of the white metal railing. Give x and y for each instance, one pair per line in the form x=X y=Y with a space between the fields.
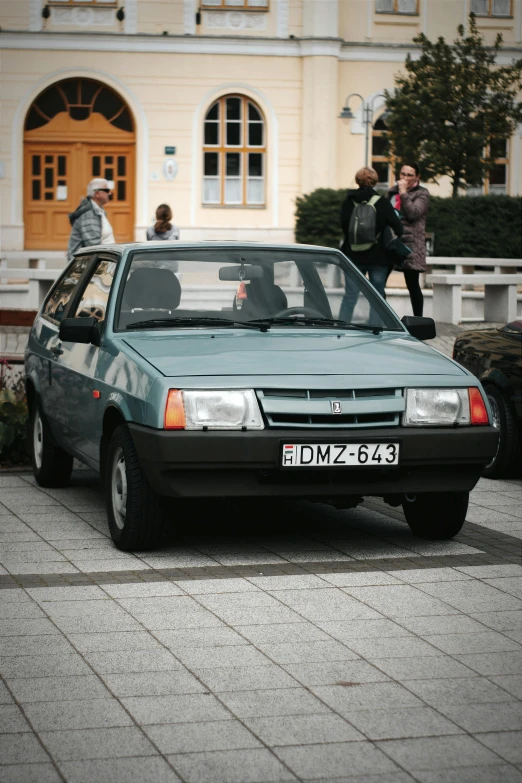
x=25 y=279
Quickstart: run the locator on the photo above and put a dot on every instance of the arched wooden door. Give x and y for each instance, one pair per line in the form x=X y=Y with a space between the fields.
x=75 y=130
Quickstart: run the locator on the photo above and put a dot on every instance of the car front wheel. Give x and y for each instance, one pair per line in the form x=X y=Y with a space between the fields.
x=436 y=515
x=52 y=466
x=506 y=461
x=133 y=508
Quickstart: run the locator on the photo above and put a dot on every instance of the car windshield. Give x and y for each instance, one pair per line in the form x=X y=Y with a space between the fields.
x=248 y=287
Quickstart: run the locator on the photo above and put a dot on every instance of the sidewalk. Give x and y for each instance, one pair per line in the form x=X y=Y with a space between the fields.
x=298 y=644
x=320 y=646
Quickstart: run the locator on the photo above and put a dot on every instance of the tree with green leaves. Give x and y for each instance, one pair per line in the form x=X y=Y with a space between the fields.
x=453 y=106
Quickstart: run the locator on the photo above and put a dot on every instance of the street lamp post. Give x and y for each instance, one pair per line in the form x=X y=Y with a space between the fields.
x=368 y=109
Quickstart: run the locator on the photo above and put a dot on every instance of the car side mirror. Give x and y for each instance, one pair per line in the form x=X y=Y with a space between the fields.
x=419 y=327
x=80 y=330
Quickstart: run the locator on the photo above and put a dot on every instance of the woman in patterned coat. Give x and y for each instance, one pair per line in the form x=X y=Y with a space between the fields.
x=412 y=202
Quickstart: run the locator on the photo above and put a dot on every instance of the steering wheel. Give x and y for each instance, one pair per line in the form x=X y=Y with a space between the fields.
x=301 y=310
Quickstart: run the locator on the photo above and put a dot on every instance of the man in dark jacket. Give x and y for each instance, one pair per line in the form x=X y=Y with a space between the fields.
x=90 y=224
x=373 y=262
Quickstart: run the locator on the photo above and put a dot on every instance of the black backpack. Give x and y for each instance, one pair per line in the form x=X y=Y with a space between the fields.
x=362 y=230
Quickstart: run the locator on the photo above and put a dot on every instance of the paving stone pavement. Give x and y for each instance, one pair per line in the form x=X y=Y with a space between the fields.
x=307 y=644
x=255 y=646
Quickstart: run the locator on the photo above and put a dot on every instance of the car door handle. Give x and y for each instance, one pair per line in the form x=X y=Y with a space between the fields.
x=56 y=351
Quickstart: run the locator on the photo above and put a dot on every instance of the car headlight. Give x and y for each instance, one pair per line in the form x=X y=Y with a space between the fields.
x=436 y=407
x=228 y=409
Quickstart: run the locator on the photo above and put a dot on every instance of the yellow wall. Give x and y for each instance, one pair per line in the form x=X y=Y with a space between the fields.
x=295 y=9
x=300 y=96
x=14 y=14
x=156 y=16
x=353 y=20
x=173 y=92
x=319 y=125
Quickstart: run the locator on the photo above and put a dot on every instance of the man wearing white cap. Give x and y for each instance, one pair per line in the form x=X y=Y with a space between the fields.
x=90 y=224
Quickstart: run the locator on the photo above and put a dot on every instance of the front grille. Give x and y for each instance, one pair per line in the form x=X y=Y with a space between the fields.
x=309 y=408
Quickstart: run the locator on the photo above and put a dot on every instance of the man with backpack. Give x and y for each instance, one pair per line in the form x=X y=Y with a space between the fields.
x=364 y=216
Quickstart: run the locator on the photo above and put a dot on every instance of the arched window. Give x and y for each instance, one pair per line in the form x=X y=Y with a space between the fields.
x=76 y=129
x=79 y=98
x=380 y=162
x=234 y=153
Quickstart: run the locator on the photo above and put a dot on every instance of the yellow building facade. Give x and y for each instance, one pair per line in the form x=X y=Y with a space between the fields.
x=226 y=110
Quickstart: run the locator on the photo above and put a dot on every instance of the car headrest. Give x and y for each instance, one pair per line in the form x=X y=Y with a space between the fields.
x=263 y=299
x=148 y=287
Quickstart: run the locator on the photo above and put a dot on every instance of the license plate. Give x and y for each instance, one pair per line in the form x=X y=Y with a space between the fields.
x=331 y=455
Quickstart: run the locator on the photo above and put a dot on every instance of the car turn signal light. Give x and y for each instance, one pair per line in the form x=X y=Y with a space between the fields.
x=477 y=408
x=174 y=411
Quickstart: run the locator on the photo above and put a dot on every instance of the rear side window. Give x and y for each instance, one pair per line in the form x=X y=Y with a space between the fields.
x=59 y=299
x=95 y=297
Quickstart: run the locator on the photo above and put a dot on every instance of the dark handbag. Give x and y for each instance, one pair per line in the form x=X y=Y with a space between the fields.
x=396 y=250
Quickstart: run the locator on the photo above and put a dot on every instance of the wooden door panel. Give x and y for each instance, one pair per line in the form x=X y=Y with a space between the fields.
x=49 y=166
x=60 y=226
x=115 y=163
x=120 y=224
x=36 y=225
x=48 y=197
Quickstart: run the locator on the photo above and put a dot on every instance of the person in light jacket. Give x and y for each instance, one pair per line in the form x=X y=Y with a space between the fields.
x=163 y=228
x=412 y=202
x=90 y=224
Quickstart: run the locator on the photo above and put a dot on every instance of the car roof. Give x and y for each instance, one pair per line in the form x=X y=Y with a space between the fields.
x=232 y=244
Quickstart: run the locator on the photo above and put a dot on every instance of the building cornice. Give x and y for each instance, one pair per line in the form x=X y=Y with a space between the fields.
x=157 y=44
x=320 y=47
x=228 y=45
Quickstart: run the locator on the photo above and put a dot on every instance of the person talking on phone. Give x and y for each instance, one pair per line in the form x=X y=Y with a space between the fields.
x=412 y=202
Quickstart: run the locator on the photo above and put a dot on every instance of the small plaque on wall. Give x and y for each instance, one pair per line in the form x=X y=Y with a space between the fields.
x=170 y=168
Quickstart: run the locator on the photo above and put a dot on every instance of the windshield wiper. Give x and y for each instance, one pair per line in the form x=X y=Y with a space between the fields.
x=310 y=321
x=199 y=321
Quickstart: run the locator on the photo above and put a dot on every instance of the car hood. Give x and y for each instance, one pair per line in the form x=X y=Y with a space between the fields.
x=282 y=352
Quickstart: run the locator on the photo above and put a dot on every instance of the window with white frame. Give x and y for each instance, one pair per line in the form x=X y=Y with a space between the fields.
x=234 y=153
x=89 y=3
x=380 y=161
x=397 y=6
x=235 y=5
x=497 y=180
x=491 y=8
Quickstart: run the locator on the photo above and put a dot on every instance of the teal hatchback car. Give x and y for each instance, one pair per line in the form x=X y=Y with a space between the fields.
x=210 y=370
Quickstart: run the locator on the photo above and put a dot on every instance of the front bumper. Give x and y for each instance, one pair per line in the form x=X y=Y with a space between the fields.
x=244 y=464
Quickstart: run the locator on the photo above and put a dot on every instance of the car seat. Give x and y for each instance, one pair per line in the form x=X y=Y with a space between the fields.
x=150 y=288
x=264 y=300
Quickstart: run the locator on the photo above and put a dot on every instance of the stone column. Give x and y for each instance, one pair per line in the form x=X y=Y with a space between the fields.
x=320 y=50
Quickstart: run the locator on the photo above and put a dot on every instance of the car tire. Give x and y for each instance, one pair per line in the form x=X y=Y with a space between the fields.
x=507 y=460
x=134 y=509
x=436 y=515
x=52 y=466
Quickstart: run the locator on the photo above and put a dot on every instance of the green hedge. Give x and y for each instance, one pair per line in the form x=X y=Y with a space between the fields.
x=471 y=226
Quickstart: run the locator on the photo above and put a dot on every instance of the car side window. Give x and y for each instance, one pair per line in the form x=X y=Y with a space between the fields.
x=95 y=297
x=60 y=295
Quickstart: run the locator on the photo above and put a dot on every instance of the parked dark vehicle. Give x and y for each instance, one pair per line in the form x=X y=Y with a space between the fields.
x=495 y=357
